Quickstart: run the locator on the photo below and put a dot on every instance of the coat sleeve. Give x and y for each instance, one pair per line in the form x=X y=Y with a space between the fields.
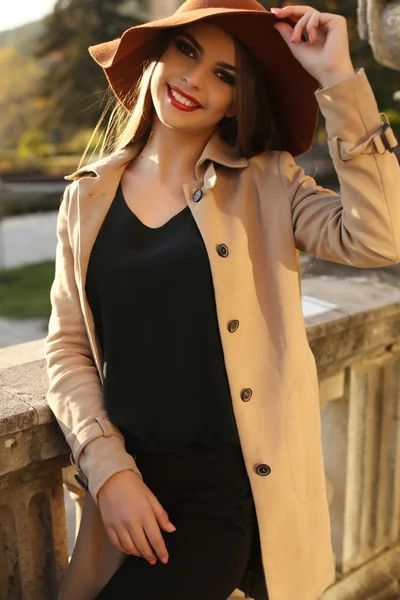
x=361 y=226
x=75 y=391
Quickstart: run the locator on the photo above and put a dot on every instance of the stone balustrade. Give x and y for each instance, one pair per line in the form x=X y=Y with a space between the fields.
x=353 y=328
x=357 y=350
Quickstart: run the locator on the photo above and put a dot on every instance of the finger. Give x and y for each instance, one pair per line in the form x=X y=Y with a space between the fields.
x=127 y=544
x=142 y=543
x=285 y=30
x=312 y=27
x=300 y=27
x=126 y=541
x=161 y=514
x=295 y=13
x=156 y=540
x=135 y=551
x=114 y=539
x=324 y=18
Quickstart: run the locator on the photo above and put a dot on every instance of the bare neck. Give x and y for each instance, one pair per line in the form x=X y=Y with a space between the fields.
x=171 y=156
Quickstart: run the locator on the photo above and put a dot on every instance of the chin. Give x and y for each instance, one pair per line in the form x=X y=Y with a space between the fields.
x=174 y=120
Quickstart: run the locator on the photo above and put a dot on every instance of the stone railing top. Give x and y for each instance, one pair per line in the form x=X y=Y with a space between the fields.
x=349 y=303
x=360 y=317
x=23 y=384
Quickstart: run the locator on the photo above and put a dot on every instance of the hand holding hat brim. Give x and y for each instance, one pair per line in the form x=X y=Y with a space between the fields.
x=325 y=53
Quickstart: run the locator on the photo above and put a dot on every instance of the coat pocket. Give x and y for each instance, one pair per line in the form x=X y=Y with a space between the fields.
x=303 y=435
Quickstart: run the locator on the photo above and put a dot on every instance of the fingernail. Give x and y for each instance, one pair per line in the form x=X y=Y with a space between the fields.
x=152 y=562
x=275 y=9
x=164 y=560
x=171 y=527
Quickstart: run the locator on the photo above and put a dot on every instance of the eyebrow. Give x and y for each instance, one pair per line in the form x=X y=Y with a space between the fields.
x=201 y=50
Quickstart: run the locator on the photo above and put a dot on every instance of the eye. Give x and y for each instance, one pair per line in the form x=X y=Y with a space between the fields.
x=226 y=77
x=185 y=48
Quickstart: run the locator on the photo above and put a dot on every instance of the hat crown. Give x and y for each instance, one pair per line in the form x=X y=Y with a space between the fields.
x=191 y=5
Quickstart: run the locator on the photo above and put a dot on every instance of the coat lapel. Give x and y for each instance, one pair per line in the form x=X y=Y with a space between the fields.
x=96 y=186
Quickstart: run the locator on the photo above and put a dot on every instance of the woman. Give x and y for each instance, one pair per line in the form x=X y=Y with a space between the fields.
x=179 y=367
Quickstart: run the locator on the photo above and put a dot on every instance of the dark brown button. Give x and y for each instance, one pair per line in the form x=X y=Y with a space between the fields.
x=222 y=250
x=246 y=394
x=233 y=325
x=263 y=470
x=197 y=195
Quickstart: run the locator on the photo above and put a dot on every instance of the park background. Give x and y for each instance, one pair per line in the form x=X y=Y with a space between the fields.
x=51 y=96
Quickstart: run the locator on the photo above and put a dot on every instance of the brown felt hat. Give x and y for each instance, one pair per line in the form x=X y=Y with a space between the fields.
x=291 y=88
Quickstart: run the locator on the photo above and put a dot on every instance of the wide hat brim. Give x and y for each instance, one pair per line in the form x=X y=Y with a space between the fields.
x=291 y=88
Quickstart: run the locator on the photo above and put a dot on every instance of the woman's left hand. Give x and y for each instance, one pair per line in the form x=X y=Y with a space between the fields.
x=326 y=54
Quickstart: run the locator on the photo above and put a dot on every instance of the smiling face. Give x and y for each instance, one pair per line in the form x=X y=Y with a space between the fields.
x=193 y=84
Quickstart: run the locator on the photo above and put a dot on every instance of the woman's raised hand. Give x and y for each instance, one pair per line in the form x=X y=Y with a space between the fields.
x=132 y=516
x=325 y=54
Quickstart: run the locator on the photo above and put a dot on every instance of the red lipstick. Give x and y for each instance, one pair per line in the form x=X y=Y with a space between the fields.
x=177 y=104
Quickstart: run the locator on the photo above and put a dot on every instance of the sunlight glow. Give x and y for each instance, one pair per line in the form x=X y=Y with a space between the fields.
x=20 y=12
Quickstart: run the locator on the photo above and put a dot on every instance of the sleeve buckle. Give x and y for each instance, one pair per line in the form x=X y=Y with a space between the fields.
x=384 y=139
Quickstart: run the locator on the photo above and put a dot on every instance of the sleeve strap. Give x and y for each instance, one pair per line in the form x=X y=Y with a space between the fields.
x=378 y=143
x=91 y=430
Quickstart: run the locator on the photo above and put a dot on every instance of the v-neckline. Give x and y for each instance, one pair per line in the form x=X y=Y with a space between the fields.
x=141 y=222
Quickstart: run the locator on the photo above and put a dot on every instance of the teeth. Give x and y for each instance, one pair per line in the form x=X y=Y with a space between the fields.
x=182 y=100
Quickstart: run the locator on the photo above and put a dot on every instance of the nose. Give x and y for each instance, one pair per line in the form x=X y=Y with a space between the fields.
x=194 y=77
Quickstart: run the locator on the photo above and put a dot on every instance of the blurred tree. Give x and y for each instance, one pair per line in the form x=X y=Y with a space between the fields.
x=72 y=87
x=33 y=143
x=17 y=109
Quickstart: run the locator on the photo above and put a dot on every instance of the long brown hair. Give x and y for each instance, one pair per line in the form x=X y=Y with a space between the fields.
x=251 y=131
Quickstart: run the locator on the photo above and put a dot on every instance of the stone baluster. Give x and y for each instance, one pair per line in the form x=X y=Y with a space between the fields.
x=33 y=541
x=359 y=378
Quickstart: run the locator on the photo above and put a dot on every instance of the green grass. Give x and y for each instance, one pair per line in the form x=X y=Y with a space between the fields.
x=25 y=291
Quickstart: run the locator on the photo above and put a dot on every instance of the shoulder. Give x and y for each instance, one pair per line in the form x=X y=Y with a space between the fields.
x=265 y=161
x=272 y=162
x=278 y=164
x=97 y=177
x=267 y=167
x=90 y=170
x=106 y=164
x=273 y=174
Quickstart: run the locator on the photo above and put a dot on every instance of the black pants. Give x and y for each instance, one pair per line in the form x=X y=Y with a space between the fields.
x=208 y=498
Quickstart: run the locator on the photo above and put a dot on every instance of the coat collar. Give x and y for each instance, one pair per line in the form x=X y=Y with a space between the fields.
x=215 y=151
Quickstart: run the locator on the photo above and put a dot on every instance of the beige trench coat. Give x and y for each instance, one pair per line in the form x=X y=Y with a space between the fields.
x=262 y=210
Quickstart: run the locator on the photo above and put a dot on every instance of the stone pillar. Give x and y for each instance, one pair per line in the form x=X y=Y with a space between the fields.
x=361 y=434
x=359 y=377
x=33 y=550
x=33 y=541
